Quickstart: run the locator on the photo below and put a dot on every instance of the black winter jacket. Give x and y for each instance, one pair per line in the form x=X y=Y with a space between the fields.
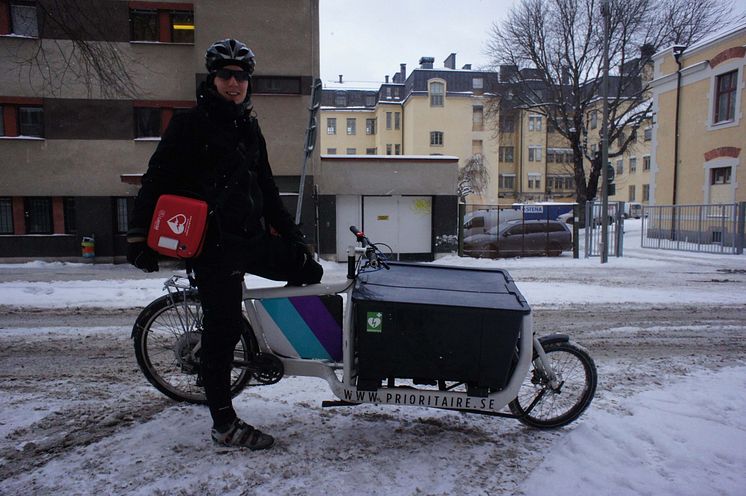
x=198 y=154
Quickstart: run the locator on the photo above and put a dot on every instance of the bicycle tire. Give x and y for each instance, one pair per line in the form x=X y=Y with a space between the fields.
x=578 y=376
x=165 y=332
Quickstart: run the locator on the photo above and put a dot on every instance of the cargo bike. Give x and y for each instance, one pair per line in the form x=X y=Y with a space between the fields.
x=398 y=334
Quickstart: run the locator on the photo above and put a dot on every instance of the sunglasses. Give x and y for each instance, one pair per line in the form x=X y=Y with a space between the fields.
x=226 y=74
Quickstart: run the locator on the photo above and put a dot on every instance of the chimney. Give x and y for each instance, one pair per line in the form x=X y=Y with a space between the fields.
x=387 y=78
x=507 y=72
x=646 y=52
x=340 y=78
x=403 y=72
x=450 y=61
x=467 y=67
x=427 y=62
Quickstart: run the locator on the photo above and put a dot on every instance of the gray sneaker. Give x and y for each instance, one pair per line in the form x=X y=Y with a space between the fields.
x=242 y=435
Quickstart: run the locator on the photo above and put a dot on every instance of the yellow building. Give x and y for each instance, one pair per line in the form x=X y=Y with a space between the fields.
x=706 y=82
x=428 y=112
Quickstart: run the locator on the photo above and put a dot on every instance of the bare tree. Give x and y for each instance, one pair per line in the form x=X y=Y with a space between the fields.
x=473 y=177
x=76 y=46
x=550 y=52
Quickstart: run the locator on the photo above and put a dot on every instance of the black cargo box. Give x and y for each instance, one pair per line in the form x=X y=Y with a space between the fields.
x=428 y=323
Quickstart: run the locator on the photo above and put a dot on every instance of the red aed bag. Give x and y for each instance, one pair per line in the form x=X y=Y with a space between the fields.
x=179 y=226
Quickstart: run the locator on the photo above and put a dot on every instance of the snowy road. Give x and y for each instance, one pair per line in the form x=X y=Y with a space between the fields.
x=84 y=416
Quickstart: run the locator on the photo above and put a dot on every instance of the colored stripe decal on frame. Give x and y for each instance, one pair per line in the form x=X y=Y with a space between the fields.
x=326 y=329
x=295 y=328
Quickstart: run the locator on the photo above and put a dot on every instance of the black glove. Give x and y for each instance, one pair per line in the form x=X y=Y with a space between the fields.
x=139 y=253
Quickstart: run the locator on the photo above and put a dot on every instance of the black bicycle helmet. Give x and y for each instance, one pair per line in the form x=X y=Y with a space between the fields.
x=229 y=52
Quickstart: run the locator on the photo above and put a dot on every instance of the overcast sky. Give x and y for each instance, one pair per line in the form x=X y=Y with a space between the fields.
x=365 y=40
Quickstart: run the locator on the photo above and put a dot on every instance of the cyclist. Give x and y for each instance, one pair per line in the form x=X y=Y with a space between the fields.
x=250 y=231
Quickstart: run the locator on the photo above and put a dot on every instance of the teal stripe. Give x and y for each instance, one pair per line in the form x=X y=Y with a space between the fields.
x=295 y=328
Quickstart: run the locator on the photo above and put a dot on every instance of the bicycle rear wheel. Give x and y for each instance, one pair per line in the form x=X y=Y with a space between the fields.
x=557 y=406
x=166 y=333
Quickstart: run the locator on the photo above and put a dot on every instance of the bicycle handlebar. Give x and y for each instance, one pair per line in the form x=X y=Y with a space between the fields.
x=371 y=251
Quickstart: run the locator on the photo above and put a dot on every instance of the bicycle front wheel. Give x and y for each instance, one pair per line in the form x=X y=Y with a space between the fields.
x=166 y=333
x=572 y=394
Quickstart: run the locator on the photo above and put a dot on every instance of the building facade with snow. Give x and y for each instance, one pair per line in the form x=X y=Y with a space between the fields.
x=68 y=148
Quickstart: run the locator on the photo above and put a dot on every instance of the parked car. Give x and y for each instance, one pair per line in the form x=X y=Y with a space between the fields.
x=516 y=238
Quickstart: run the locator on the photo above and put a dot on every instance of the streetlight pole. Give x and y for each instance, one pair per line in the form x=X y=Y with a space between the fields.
x=606 y=14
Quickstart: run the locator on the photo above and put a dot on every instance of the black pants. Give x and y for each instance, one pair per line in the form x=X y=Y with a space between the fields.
x=219 y=281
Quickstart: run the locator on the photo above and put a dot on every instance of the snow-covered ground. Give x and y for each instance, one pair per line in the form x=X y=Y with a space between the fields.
x=682 y=432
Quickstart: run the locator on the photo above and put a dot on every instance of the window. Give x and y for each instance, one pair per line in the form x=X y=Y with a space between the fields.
x=507 y=181
x=720 y=175
x=277 y=85
x=351 y=151
x=477 y=83
x=144 y=25
x=436 y=138
x=370 y=100
x=388 y=93
x=560 y=182
x=593 y=120
x=646 y=192
x=534 y=153
x=534 y=181
x=507 y=124
x=632 y=192
x=397 y=149
x=388 y=120
x=620 y=167
x=147 y=122
x=38 y=214
x=648 y=133
x=534 y=123
x=182 y=27
x=437 y=94
x=122 y=207
x=23 y=20
x=646 y=163
x=6 y=216
x=477 y=118
x=396 y=93
x=397 y=120
x=476 y=148
x=370 y=151
x=31 y=121
x=505 y=154
x=370 y=126
x=351 y=126
x=162 y=25
x=331 y=125
x=68 y=210
x=725 y=96
x=632 y=165
x=340 y=99
x=550 y=127
x=388 y=149
x=331 y=151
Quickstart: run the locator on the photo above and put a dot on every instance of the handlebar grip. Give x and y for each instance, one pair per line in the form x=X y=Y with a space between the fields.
x=359 y=235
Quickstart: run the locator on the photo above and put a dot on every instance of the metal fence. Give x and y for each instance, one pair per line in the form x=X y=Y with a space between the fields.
x=493 y=231
x=593 y=232
x=698 y=228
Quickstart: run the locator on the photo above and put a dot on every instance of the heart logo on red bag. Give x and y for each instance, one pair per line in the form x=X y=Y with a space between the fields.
x=177 y=223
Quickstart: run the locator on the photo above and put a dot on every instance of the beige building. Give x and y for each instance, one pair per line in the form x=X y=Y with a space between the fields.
x=706 y=82
x=65 y=146
x=427 y=112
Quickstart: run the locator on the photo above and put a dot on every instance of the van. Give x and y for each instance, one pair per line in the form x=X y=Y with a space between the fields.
x=633 y=210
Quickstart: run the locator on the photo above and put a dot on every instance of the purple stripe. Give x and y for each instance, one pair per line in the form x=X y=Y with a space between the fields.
x=321 y=323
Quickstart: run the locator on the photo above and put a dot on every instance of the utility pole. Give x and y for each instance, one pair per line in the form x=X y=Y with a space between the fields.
x=606 y=14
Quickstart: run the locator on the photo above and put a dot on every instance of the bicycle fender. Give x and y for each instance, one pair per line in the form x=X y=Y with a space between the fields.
x=554 y=338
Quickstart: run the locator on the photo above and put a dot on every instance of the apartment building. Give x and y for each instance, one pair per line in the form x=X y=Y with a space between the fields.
x=698 y=95
x=428 y=112
x=71 y=153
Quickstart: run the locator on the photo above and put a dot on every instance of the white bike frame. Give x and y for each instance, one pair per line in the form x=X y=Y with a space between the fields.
x=344 y=388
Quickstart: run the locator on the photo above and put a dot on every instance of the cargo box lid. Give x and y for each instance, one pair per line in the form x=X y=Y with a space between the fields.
x=441 y=285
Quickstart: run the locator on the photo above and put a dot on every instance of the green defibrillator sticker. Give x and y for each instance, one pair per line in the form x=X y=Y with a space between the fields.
x=374 y=322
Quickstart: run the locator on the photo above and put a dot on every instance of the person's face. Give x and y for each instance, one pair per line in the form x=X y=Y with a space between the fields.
x=231 y=88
